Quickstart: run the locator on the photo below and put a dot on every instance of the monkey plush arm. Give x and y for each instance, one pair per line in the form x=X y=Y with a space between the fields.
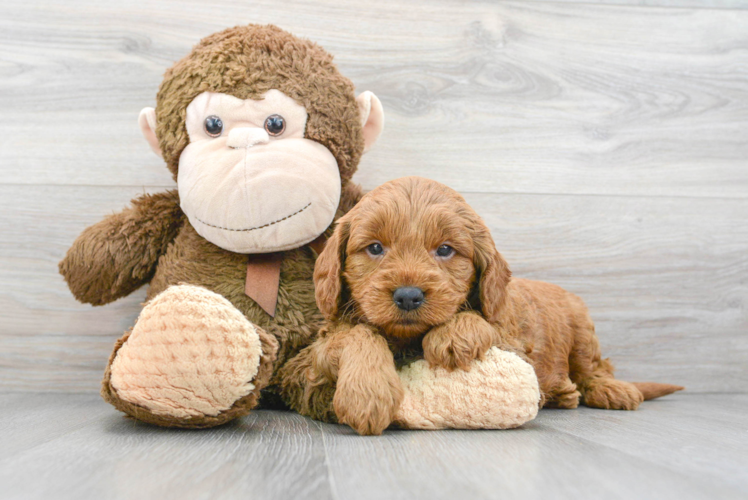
x=118 y=255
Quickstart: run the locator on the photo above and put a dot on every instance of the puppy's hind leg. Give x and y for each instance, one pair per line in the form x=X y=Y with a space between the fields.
x=594 y=375
x=557 y=389
x=560 y=393
x=601 y=390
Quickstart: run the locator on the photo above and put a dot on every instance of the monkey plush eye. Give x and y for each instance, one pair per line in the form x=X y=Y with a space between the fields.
x=213 y=126
x=375 y=249
x=275 y=125
x=445 y=251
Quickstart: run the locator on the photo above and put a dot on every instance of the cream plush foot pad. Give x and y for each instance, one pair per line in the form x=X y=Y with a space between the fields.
x=191 y=354
x=499 y=392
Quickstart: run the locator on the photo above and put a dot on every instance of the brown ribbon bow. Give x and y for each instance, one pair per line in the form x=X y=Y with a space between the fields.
x=263 y=276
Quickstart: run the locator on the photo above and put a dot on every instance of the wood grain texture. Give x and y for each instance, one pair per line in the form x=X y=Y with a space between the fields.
x=486 y=96
x=74 y=446
x=263 y=456
x=542 y=460
x=664 y=279
x=699 y=424
x=699 y=4
x=604 y=144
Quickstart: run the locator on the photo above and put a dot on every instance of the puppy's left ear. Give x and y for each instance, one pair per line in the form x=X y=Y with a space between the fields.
x=492 y=272
x=328 y=272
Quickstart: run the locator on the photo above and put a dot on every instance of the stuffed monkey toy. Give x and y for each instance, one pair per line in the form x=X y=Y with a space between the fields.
x=262 y=134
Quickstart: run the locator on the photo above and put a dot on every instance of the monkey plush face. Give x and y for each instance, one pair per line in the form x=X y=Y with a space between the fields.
x=262 y=133
x=248 y=179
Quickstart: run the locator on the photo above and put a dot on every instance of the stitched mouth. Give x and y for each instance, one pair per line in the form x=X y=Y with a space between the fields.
x=256 y=227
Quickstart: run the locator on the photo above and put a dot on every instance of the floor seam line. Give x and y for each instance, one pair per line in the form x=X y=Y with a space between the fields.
x=330 y=475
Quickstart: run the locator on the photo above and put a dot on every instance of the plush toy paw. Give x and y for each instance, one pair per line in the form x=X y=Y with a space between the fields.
x=499 y=392
x=192 y=360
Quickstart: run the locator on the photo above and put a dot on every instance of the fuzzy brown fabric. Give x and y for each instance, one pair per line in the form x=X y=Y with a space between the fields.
x=118 y=255
x=246 y=62
x=152 y=241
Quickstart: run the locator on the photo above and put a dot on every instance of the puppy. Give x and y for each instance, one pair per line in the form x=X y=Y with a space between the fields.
x=413 y=269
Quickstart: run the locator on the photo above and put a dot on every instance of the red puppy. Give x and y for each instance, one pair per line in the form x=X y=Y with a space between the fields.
x=413 y=267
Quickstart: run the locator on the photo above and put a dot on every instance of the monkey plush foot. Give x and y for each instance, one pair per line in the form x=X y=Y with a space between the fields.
x=499 y=392
x=192 y=360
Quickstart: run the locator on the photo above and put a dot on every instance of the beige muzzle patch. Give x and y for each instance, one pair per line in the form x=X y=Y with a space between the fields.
x=191 y=354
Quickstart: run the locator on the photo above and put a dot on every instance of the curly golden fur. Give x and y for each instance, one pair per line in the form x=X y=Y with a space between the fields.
x=470 y=303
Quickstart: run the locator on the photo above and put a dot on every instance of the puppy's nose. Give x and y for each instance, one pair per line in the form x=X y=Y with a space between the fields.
x=408 y=298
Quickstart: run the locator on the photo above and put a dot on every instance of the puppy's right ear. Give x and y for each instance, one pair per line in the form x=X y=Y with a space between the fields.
x=328 y=271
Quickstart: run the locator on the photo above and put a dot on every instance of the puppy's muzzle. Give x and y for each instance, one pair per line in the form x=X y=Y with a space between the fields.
x=408 y=298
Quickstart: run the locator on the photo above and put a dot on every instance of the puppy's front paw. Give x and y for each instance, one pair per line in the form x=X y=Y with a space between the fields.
x=458 y=342
x=368 y=404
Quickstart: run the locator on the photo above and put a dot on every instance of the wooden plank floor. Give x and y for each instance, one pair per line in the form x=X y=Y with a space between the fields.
x=74 y=446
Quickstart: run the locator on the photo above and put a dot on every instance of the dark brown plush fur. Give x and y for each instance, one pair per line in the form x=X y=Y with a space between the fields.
x=246 y=62
x=471 y=303
x=118 y=255
x=152 y=241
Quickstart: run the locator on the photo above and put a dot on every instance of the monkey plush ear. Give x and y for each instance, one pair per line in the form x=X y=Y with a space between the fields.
x=147 y=122
x=372 y=118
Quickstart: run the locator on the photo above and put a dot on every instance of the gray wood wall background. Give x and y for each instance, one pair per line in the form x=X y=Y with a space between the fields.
x=605 y=143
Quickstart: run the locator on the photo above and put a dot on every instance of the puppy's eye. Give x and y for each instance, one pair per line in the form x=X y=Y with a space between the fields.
x=213 y=126
x=375 y=249
x=275 y=125
x=445 y=251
